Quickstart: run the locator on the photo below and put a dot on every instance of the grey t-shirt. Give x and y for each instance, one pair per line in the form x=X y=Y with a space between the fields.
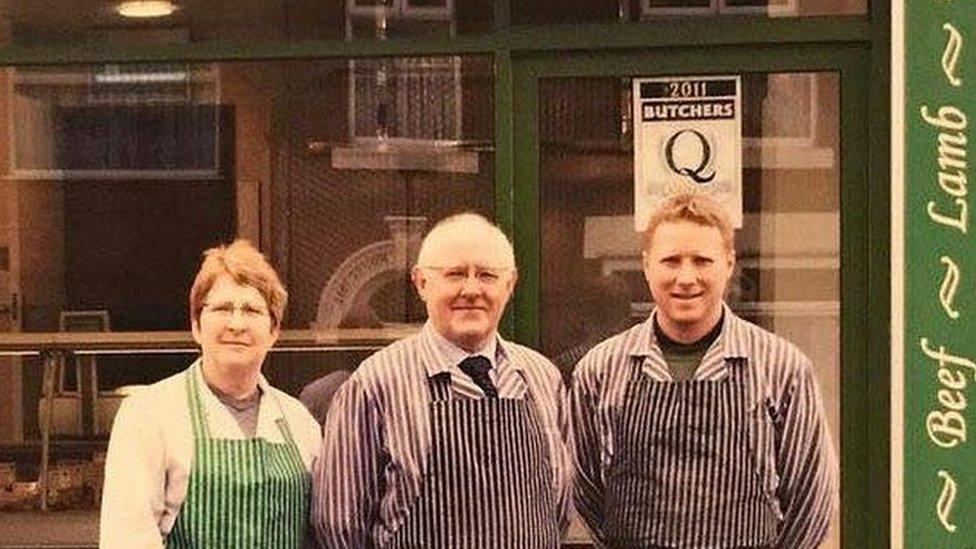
x=245 y=410
x=683 y=359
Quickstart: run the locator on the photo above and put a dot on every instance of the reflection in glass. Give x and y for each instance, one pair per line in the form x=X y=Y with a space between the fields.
x=119 y=176
x=115 y=121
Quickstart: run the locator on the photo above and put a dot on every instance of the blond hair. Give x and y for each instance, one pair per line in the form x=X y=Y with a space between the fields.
x=693 y=207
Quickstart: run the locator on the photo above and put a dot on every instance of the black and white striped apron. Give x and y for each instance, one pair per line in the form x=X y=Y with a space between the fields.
x=248 y=493
x=489 y=480
x=684 y=472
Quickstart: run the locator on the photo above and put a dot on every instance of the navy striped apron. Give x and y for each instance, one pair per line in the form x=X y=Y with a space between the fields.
x=489 y=480
x=684 y=472
x=248 y=493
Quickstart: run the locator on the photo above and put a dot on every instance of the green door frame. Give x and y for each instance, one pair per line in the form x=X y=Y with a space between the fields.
x=862 y=197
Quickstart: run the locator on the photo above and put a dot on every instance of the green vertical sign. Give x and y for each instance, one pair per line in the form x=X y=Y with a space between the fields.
x=940 y=275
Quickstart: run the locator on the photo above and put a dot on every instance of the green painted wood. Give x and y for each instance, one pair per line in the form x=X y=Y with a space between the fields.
x=256 y=51
x=693 y=60
x=940 y=351
x=857 y=456
x=697 y=31
x=504 y=179
x=526 y=206
x=877 y=533
x=670 y=33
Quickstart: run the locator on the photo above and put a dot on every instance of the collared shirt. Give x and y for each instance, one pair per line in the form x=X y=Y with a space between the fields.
x=506 y=377
x=377 y=436
x=795 y=455
x=150 y=453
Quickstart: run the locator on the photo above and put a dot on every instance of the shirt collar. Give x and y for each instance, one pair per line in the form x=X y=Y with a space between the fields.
x=442 y=355
x=729 y=340
x=210 y=400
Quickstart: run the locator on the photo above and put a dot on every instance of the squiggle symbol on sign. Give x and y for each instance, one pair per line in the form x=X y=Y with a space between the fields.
x=951 y=54
x=946 y=500
x=949 y=286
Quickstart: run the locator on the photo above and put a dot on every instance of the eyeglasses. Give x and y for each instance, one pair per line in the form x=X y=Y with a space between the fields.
x=225 y=310
x=486 y=276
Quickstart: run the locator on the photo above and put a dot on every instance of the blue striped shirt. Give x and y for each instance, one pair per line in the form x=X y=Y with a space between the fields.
x=795 y=455
x=377 y=436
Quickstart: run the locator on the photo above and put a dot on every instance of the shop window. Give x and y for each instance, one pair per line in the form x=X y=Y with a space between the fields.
x=115 y=122
x=412 y=101
x=125 y=237
x=340 y=221
x=392 y=99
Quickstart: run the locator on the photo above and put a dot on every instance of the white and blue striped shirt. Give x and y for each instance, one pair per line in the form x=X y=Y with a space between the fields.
x=795 y=455
x=377 y=437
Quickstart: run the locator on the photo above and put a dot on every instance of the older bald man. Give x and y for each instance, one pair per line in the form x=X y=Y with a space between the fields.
x=454 y=437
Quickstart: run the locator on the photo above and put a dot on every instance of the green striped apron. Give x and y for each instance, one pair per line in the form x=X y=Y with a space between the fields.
x=241 y=493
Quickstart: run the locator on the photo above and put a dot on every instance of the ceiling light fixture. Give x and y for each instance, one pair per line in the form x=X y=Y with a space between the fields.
x=145 y=8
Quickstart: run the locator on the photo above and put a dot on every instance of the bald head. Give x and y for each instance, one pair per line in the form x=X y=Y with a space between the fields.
x=465 y=274
x=465 y=235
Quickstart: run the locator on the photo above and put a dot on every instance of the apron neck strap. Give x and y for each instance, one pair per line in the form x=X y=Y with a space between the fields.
x=198 y=418
x=440 y=387
x=736 y=366
x=198 y=413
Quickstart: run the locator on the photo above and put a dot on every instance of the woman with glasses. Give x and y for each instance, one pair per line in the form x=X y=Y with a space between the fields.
x=214 y=456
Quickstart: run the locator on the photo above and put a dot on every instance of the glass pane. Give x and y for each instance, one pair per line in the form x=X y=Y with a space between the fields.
x=121 y=175
x=536 y=12
x=787 y=276
x=117 y=177
x=65 y=22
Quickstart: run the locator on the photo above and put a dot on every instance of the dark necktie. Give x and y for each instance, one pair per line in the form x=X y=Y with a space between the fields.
x=477 y=369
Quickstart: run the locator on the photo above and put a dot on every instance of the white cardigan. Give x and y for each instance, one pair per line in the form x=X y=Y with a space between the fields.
x=150 y=452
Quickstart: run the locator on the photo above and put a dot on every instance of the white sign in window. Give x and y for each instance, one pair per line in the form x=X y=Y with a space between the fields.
x=687 y=138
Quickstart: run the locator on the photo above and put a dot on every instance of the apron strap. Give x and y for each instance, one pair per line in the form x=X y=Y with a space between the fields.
x=198 y=415
x=198 y=418
x=285 y=429
x=250 y=482
x=736 y=365
x=440 y=387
